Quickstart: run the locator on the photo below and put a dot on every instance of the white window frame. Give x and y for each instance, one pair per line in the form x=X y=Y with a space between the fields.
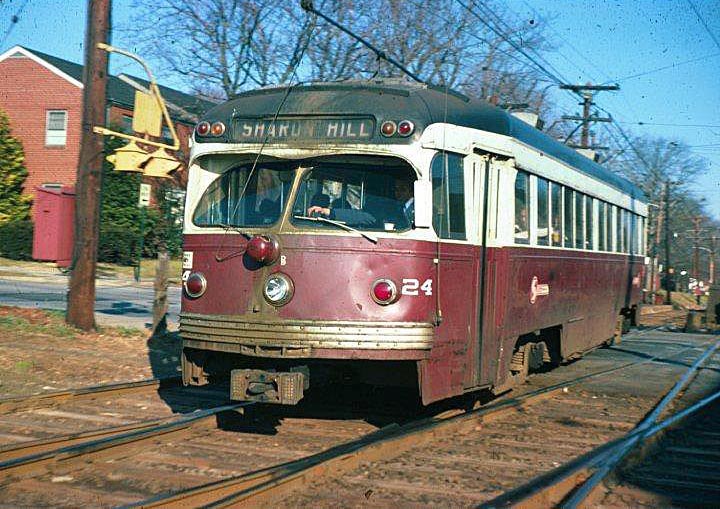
x=59 y=137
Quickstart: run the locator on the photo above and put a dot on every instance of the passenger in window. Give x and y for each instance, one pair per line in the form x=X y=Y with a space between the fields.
x=404 y=197
x=268 y=196
x=384 y=213
x=556 y=229
x=522 y=230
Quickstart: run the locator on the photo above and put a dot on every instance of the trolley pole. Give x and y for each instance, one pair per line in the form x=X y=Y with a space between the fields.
x=668 y=268
x=81 y=291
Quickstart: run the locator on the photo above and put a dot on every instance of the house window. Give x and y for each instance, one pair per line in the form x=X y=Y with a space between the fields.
x=127 y=122
x=56 y=128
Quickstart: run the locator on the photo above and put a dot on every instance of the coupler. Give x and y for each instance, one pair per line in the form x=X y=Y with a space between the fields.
x=267 y=386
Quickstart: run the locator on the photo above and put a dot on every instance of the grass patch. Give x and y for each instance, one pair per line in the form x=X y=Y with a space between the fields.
x=15 y=324
x=126 y=332
x=107 y=270
x=24 y=366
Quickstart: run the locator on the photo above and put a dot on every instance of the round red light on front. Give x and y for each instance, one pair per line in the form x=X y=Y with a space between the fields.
x=384 y=292
x=195 y=285
x=405 y=128
x=217 y=129
x=203 y=128
x=263 y=249
x=388 y=128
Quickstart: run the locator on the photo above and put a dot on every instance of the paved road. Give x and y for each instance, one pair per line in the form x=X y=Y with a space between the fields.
x=116 y=303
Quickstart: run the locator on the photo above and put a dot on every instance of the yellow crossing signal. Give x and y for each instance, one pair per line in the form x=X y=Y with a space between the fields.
x=147 y=114
x=161 y=164
x=129 y=158
x=154 y=164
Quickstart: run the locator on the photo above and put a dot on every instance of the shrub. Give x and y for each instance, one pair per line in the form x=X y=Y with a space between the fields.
x=16 y=240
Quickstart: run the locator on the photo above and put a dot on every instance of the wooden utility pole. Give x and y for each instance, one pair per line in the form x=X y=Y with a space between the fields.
x=587 y=94
x=81 y=292
x=696 y=248
x=668 y=268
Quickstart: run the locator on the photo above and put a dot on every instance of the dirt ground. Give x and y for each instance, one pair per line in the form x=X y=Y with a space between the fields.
x=39 y=352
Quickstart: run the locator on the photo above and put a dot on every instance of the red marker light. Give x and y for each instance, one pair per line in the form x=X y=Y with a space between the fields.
x=263 y=249
x=388 y=128
x=405 y=128
x=384 y=292
x=217 y=129
x=203 y=128
x=195 y=285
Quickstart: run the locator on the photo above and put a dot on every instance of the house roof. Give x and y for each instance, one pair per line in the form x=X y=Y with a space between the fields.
x=120 y=89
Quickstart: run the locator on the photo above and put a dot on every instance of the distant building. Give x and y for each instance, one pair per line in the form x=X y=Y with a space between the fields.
x=42 y=95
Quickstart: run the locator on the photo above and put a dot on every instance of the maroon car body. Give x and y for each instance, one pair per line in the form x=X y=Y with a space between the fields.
x=475 y=305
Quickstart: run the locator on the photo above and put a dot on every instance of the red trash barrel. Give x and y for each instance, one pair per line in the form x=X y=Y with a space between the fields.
x=54 y=225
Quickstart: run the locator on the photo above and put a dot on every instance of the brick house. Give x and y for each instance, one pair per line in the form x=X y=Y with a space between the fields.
x=42 y=95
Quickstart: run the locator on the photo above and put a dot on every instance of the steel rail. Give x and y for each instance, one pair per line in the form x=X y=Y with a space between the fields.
x=106 y=446
x=588 y=488
x=14 y=404
x=552 y=488
x=264 y=487
x=18 y=450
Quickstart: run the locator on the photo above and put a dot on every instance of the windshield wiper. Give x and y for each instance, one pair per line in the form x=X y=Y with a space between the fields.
x=235 y=229
x=339 y=224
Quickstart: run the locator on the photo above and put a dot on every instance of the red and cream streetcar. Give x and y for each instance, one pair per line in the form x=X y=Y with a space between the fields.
x=395 y=234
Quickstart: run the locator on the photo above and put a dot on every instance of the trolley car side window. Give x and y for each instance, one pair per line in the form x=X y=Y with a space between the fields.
x=546 y=213
x=448 y=196
x=522 y=208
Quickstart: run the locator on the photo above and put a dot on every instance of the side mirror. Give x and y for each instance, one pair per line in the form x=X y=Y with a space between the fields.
x=423 y=204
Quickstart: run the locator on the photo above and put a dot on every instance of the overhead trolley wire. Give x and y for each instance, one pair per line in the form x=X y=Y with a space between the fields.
x=704 y=23
x=658 y=69
x=13 y=21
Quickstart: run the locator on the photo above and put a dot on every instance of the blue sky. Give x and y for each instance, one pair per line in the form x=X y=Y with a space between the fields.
x=597 y=41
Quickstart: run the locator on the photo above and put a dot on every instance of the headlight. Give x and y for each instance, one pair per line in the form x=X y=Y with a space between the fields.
x=278 y=289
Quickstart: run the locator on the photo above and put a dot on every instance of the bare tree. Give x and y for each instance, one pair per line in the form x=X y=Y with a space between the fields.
x=221 y=47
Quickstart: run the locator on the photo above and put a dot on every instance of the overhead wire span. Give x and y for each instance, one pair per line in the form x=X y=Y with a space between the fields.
x=663 y=68
x=704 y=23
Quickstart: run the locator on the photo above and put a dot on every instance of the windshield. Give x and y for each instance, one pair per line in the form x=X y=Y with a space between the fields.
x=261 y=204
x=361 y=196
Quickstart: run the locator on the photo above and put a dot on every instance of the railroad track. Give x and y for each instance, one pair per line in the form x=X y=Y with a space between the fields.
x=266 y=487
x=55 y=398
x=580 y=483
x=269 y=484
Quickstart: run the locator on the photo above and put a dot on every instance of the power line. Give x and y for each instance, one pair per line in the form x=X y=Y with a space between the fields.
x=569 y=44
x=671 y=66
x=13 y=21
x=501 y=22
x=710 y=126
x=520 y=50
x=704 y=24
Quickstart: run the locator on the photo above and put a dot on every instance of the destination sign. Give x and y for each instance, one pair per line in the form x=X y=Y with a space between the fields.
x=347 y=130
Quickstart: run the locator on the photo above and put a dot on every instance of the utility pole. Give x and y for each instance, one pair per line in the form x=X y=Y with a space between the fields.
x=654 y=251
x=81 y=292
x=696 y=248
x=668 y=269
x=586 y=118
x=711 y=262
